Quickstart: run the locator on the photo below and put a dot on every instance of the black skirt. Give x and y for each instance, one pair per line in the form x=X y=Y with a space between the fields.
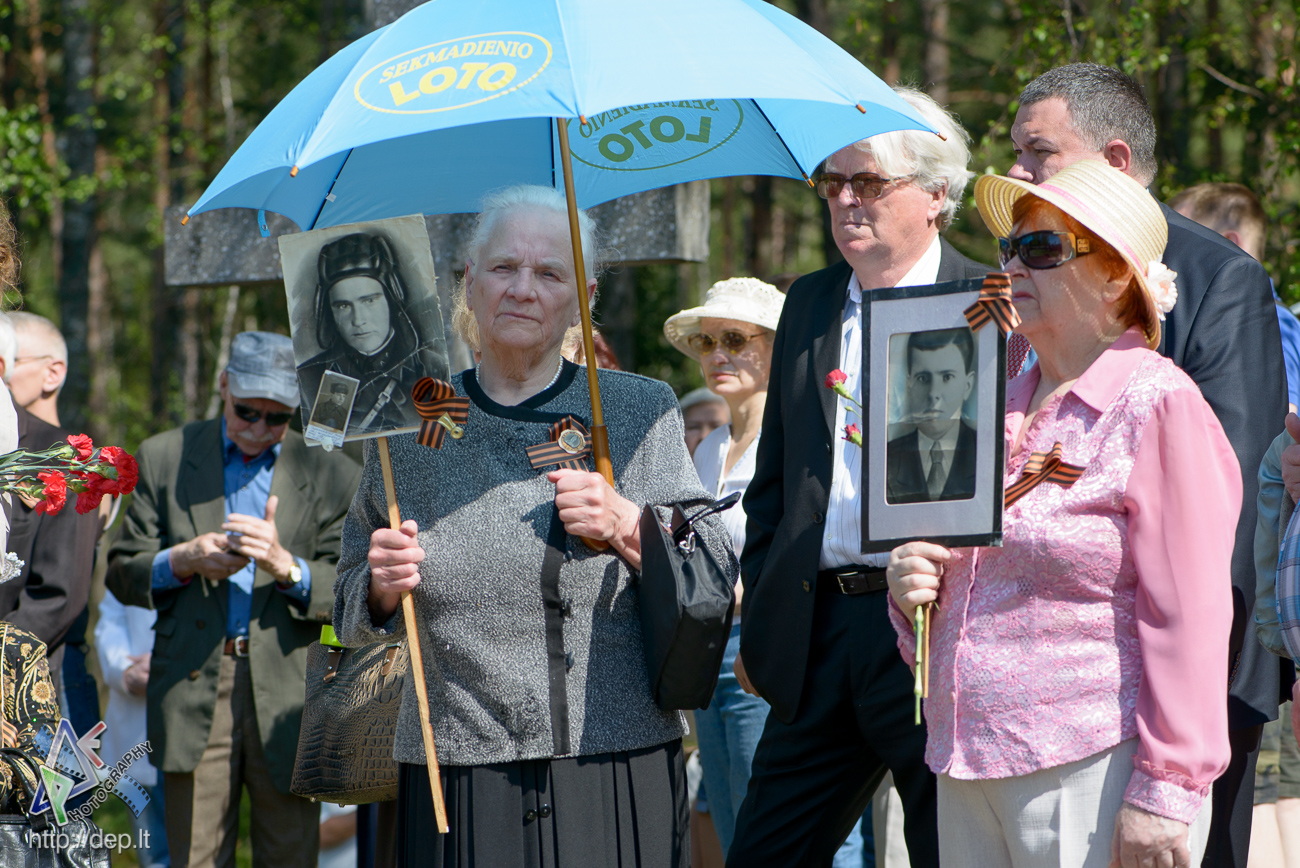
x=613 y=810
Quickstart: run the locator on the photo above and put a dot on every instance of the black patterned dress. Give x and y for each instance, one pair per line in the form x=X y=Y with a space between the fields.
x=28 y=705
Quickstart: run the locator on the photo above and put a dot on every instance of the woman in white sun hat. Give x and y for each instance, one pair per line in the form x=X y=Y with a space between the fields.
x=730 y=335
x=1076 y=715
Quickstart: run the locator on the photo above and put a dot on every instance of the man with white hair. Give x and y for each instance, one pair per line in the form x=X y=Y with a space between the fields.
x=816 y=620
x=40 y=366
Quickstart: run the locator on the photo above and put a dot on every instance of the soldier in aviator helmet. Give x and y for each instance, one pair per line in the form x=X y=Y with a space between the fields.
x=365 y=331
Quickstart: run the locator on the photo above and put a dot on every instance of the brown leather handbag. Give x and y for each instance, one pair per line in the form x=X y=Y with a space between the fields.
x=345 y=746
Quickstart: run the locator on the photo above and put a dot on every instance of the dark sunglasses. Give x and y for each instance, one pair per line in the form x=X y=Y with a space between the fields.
x=731 y=341
x=251 y=416
x=865 y=185
x=1043 y=249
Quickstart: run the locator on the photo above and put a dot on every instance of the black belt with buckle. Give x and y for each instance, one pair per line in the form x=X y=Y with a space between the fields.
x=237 y=647
x=853 y=581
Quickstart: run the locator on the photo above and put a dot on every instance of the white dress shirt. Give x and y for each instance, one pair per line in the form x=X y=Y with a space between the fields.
x=842 y=535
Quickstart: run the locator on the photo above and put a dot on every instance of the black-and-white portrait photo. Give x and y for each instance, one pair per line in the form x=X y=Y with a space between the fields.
x=932 y=380
x=329 y=416
x=932 y=429
x=363 y=304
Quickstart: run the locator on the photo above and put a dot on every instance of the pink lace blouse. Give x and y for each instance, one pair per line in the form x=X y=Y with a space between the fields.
x=1105 y=615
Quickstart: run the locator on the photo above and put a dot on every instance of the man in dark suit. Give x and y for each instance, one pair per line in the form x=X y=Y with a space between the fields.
x=936 y=461
x=1223 y=332
x=816 y=641
x=233 y=534
x=58 y=551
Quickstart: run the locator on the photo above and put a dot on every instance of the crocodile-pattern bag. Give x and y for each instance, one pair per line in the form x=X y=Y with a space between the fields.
x=79 y=843
x=345 y=746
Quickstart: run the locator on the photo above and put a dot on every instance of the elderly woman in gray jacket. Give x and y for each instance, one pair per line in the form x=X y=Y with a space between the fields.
x=552 y=749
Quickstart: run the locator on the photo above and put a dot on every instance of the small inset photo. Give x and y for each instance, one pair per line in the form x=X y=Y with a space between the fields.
x=328 y=423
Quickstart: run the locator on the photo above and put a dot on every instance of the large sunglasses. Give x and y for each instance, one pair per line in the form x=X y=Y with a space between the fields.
x=252 y=416
x=1043 y=249
x=731 y=341
x=865 y=185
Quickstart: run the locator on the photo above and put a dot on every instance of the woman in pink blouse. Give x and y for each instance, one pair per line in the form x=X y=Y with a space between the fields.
x=1076 y=712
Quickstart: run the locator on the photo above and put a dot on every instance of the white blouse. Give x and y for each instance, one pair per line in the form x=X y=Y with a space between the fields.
x=710 y=456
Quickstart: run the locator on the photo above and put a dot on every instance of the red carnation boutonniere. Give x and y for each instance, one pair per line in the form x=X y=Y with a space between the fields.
x=835 y=381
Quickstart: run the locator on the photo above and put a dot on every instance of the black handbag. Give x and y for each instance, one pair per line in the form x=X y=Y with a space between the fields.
x=686 y=602
x=23 y=842
x=349 y=720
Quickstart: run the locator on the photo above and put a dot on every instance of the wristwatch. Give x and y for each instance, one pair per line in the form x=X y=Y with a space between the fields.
x=295 y=576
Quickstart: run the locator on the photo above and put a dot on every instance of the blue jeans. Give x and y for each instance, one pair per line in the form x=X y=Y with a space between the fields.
x=728 y=732
x=151 y=820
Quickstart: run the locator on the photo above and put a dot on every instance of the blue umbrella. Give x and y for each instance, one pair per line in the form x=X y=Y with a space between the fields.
x=461 y=96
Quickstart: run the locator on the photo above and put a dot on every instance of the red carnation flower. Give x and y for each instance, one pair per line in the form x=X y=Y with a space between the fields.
x=55 y=494
x=853 y=434
x=835 y=378
x=83 y=444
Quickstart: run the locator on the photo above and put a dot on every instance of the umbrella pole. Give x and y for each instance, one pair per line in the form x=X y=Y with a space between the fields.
x=413 y=646
x=599 y=435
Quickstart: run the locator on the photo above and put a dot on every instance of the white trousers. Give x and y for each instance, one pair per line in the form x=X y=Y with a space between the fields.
x=1062 y=817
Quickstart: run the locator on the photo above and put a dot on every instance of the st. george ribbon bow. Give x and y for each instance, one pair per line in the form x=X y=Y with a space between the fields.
x=994 y=304
x=1042 y=467
x=568 y=444
x=440 y=410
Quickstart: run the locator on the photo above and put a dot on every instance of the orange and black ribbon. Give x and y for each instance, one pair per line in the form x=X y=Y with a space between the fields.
x=1042 y=467
x=994 y=304
x=568 y=446
x=433 y=399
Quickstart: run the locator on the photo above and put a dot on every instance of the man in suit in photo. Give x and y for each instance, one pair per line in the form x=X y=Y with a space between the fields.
x=233 y=534
x=58 y=551
x=1224 y=333
x=816 y=640
x=936 y=461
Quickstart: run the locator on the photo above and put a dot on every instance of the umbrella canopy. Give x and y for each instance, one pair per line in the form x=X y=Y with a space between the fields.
x=459 y=97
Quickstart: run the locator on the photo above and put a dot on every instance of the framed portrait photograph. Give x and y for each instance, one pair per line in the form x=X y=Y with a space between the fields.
x=364 y=316
x=936 y=393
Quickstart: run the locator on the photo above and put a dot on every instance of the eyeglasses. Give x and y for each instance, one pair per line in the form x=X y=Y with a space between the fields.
x=251 y=416
x=1043 y=249
x=22 y=360
x=731 y=341
x=865 y=185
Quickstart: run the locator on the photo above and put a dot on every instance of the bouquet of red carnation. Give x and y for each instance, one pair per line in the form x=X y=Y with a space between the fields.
x=46 y=477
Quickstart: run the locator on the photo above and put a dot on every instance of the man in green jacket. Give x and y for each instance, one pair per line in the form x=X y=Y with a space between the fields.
x=233 y=535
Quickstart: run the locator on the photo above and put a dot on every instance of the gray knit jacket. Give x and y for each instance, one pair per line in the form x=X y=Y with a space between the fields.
x=484 y=516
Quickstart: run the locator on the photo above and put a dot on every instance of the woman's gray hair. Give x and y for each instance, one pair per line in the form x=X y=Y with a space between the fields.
x=509 y=200
x=931 y=162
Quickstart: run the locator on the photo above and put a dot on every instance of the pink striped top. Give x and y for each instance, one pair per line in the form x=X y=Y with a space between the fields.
x=1106 y=613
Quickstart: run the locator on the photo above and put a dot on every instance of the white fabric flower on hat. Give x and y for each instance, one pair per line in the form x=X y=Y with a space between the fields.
x=1161 y=283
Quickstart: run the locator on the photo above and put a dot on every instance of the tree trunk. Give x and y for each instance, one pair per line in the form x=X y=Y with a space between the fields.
x=759 y=249
x=164 y=302
x=934 y=14
x=78 y=236
x=49 y=147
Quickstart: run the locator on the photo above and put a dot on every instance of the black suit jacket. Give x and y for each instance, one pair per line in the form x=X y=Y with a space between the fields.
x=59 y=551
x=905 y=480
x=1223 y=332
x=786 y=500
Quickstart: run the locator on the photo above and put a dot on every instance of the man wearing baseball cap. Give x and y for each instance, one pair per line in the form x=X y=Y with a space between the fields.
x=233 y=535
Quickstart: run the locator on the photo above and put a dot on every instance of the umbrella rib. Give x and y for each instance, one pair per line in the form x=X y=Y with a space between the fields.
x=330 y=192
x=781 y=139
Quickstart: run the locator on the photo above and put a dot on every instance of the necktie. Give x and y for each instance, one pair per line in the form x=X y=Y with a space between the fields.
x=934 y=482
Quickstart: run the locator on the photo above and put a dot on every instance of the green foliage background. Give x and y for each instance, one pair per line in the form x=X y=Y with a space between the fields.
x=177 y=84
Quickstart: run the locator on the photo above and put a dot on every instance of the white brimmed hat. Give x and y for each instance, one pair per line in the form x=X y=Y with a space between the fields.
x=747 y=299
x=1109 y=203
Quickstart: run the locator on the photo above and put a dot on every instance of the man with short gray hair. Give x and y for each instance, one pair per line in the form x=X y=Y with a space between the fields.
x=38 y=372
x=1224 y=333
x=233 y=534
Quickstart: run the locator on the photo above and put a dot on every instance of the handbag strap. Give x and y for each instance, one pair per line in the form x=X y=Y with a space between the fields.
x=686 y=529
x=555 y=609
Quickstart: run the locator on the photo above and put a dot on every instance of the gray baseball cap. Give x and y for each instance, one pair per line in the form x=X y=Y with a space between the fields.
x=261 y=366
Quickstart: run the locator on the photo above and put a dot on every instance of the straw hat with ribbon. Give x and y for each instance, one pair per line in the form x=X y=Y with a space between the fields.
x=746 y=299
x=1109 y=203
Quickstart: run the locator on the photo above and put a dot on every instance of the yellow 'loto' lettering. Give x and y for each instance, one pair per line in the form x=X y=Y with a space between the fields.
x=400 y=96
